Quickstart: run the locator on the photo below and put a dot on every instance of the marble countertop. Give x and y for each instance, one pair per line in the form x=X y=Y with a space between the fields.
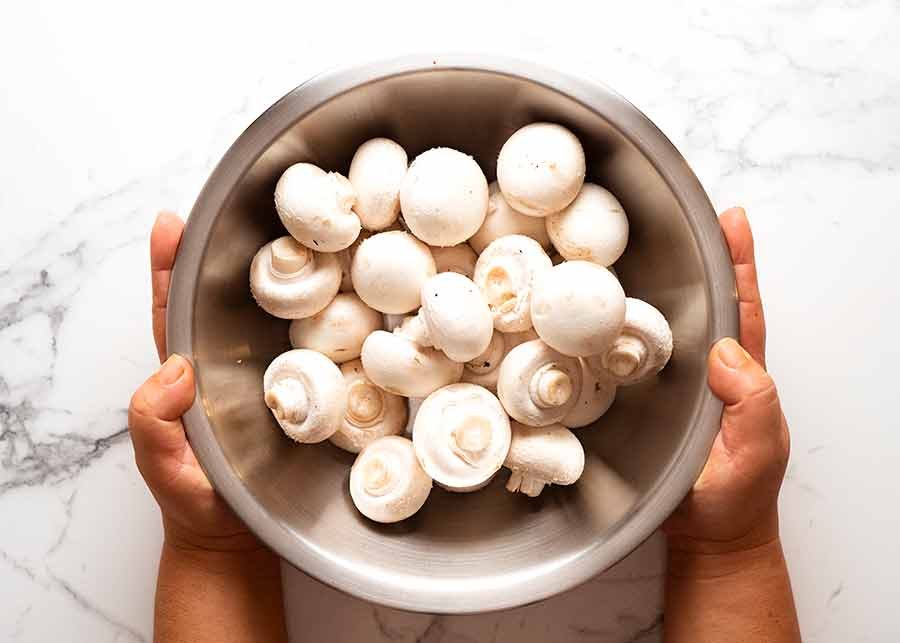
x=110 y=111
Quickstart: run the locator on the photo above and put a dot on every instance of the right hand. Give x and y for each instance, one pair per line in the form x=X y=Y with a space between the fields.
x=733 y=505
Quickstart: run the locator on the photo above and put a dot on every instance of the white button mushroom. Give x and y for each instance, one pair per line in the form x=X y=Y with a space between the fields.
x=484 y=370
x=338 y=330
x=454 y=317
x=372 y=412
x=541 y=169
x=387 y=483
x=399 y=365
x=376 y=172
x=444 y=197
x=506 y=272
x=592 y=228
x=502 y=220
x=578 y=308
x=291 y=281
x=389 y=269
x=459 y=259
x=539 y=456
x=537 y=385
x=461 y=436
x=307 y=395
x=597 y=394
x=316 y=207
x=641 y=350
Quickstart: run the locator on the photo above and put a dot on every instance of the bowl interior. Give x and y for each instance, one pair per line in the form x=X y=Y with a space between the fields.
x=461 y=548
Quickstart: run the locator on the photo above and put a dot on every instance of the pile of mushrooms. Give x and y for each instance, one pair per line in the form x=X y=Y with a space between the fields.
x=486 y=317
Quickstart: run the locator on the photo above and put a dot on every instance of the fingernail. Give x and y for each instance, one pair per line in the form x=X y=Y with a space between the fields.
x=732 y=354
x=172 y=370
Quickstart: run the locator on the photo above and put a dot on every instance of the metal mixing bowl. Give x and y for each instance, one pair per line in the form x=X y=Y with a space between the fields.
x=463 y=552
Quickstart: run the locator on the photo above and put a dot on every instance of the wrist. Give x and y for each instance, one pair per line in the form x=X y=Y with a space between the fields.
x=187 y=541
x=689 y=555
x=709 y=565
x=763 y=530
x=258 y=562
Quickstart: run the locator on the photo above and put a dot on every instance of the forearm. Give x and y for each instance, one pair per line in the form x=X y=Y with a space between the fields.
x=737 y=597
x=220 y=597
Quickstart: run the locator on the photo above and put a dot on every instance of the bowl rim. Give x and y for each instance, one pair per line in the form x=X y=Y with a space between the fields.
x=632 y=529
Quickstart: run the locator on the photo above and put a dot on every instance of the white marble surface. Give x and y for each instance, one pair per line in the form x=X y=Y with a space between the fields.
x=109 y=111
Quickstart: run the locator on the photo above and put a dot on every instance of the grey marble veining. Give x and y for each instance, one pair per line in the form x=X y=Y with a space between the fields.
x=789 y=107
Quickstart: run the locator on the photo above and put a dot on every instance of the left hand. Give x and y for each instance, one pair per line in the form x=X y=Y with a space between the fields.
x=194 y=516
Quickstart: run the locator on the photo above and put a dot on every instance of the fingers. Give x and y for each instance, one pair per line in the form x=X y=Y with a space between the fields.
x=737 y=232
x=752 y=410
x=154 y=420
x=164 y=239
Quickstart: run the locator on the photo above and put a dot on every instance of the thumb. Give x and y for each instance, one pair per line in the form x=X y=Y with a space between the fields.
x=752 y=411
x=154 y=419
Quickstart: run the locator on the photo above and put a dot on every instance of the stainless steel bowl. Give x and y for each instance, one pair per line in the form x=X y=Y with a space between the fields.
x=463 y=552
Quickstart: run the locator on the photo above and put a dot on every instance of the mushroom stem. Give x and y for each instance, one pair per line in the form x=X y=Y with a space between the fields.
x=343 y=191
x=550 y=387
x=415 y=329
x=626 y=356
x=377 y=477
x=288 y=257
x=365 y=404
x=528 y=485
x=470 y=438
x=288 y=401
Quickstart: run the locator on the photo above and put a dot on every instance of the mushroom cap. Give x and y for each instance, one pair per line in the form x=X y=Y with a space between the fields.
x=338 y=330
x=541 y=169
x=484 y=370
x=459 y=258
x=389 y=269
x=305 y=283
x=444 y=197
x=458 y=319
x=316 y=207
x=399 y=365
x=597 y=394
x=376 y=172
x=549 y=453
x=461 y=436
x=345 y=258
x=502 y=219
x=578 y=308
x=372 y=412
x=592 y=228
x=505 y=273
x=641 y=350
x=307 y=395
x=537 y=385
x=387 y=484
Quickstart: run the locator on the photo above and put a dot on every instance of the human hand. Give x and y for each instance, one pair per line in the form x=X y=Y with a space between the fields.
x=194 y=516
x=733 y=505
